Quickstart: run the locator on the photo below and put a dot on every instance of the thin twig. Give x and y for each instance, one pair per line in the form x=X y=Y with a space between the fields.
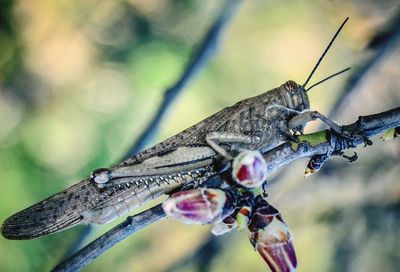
x=131 y=225
x=329 y=142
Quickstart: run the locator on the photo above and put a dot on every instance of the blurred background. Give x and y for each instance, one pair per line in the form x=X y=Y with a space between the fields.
x=80 y=80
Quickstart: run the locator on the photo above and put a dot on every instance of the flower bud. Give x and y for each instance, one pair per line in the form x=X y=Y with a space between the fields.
x=199 y=206
x=239 y=217
x=315 y=164
x=271 y=237
x=249 y=169
x=226 y=225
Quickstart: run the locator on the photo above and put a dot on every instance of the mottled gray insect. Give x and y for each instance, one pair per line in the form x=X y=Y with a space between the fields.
x=256 y=123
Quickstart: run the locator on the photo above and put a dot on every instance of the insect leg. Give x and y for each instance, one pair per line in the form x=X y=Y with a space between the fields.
x=214 y=138
x=350 y=159
x=283 y=124
x=303 y=118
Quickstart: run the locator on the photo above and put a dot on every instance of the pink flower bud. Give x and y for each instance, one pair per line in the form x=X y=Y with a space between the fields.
x=249 y=169
x=238 y=218
x=270 y=235
x=199 y=206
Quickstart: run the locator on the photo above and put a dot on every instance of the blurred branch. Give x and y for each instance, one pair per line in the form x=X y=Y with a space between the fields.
x=131 y=225
x=322 y=142
x=199 y=59
x=374 y=215
x=202 y=256
x=381 y=45
x=197 y=62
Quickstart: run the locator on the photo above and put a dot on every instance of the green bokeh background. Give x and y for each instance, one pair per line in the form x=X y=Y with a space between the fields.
x=79 y=81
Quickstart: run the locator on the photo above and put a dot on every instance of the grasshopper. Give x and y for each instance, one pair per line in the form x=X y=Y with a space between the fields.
x=256 y=123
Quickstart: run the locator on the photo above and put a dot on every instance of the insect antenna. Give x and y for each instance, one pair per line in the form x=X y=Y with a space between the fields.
x=329 y=77
x=324 y=53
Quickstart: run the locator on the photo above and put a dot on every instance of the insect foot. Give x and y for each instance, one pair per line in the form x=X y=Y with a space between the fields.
x=346 y=134
x=270 y=236
x=249 y=169
x=292 y=137
x=367 y=141
x=299 y=130
x=353 y=135
x=199 y=206
x=101 y=176
x=352 y=158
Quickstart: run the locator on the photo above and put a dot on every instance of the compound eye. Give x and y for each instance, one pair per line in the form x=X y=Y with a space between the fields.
x=292 y=87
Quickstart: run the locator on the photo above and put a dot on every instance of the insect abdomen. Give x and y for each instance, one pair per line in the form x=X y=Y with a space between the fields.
x=86 y=203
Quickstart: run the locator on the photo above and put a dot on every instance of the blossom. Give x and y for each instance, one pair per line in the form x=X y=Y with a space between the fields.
x=199 y=206
x=249 y=169
x=271 y=237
